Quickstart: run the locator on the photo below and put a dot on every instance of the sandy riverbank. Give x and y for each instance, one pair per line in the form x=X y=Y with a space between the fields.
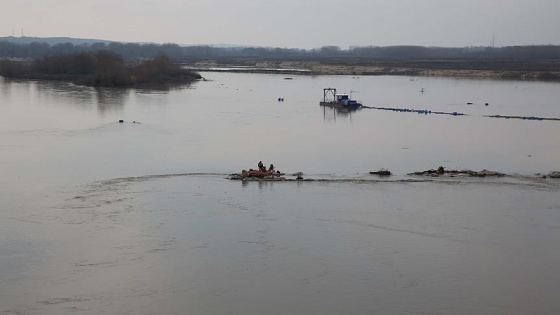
x=497 y=70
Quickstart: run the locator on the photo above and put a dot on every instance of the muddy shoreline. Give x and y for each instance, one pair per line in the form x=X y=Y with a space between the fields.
x=538 y=70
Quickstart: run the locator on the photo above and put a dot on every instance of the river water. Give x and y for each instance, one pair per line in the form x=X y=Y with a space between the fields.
x=102 y=217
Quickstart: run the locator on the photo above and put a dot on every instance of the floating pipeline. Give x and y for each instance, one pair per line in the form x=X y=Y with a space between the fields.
x=419 y=111
x=522 y=117
x=426 y=112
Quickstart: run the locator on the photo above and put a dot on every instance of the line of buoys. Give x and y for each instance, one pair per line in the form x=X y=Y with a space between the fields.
x=419 y=111
x=426 y=112
x=522 y=117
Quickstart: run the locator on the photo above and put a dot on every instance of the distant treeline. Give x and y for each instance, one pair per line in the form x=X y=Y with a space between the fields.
x=176 y=52
x=101 y=68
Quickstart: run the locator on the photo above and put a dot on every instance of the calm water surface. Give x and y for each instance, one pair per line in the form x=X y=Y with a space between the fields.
x=99 y=217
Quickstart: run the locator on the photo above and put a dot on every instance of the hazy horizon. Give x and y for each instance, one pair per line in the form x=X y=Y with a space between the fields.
x=293 y=24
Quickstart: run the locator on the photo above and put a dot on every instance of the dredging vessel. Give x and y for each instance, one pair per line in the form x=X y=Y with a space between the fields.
x=338 y=100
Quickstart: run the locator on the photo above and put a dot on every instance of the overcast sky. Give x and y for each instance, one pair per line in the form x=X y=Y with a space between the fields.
x=290 y=23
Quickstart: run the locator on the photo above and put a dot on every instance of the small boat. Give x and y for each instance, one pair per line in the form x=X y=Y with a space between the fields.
x=252 y=174
x=333 y=99
x=258 y=173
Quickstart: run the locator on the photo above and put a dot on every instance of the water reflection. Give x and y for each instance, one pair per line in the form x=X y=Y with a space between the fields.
x=65 y=94
x=162 y=87
x=110 y=99
x=332 y=113
x=4 y=88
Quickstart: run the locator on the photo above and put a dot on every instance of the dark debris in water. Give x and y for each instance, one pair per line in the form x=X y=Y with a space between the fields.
x=555 y=174
x=441 y=171
x=382 y=172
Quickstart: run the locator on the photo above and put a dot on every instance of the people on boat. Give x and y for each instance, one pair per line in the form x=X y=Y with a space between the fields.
x=262 y=168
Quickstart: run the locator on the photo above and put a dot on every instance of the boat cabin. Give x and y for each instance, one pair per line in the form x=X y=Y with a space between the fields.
x=344 y=99
x=331 y=98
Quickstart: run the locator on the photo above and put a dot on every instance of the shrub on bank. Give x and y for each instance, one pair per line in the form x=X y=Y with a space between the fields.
x=103 y=68
x=13 y=69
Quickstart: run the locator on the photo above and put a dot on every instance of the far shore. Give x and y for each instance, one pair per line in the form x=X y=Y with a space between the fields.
x=100 y=69
x=541 y=70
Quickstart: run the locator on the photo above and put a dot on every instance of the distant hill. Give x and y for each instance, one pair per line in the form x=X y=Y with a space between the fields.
x=52 y=40
x=79 y=41
x=545 y=57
